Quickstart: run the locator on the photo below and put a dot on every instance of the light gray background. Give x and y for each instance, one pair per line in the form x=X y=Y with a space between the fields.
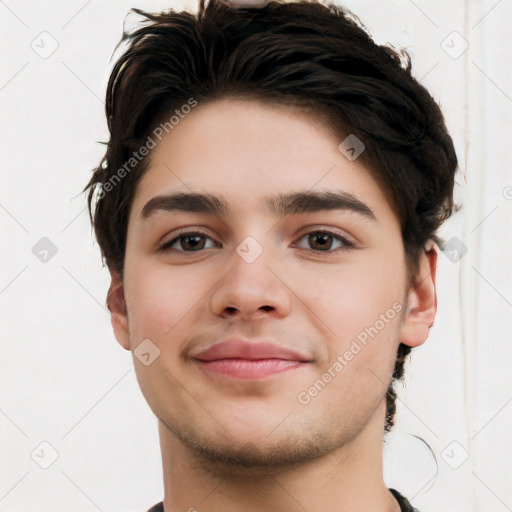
x=65 y=381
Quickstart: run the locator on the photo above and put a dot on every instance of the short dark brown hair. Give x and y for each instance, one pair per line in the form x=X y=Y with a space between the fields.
x=308 y=55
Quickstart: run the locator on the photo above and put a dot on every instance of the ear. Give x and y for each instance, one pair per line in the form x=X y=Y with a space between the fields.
x=117 y=306
x=421 y=300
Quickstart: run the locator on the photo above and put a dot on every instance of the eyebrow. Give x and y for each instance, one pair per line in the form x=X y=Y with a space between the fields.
x=278 y=205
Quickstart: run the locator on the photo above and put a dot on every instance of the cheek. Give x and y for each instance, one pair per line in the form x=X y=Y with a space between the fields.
x=158 y=298
x=362 y=305
x=360 y=365
x=352 y=297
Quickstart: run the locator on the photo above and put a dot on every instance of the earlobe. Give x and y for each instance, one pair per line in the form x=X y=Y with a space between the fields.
x=421 y=300
x=116 y=304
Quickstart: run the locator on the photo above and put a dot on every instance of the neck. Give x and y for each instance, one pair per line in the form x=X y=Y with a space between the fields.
x=349 y=478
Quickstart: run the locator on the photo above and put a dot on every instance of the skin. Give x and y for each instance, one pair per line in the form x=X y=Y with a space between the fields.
x=230 y=444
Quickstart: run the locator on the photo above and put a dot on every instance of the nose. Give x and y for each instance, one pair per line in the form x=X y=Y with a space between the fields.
x=252 y=289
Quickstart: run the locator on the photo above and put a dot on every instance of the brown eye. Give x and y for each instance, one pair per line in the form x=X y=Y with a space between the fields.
x=188 y=242
x=323 y=241
x=192 y=242
x=320 y=241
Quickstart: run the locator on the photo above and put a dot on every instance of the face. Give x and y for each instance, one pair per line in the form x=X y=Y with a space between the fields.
x=321 y=285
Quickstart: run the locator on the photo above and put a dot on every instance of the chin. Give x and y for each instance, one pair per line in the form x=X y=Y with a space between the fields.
x=254 y=457
x=255 y=450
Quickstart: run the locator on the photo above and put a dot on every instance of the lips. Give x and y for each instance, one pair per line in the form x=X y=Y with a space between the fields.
x=249 y=360
x=242 y=349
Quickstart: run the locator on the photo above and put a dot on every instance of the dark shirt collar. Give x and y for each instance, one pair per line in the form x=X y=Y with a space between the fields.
x=405 y=506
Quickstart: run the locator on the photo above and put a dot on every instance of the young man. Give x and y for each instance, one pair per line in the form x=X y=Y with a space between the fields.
x=267 y=208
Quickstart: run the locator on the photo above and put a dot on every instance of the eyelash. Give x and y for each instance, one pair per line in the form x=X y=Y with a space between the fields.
x=347 y=244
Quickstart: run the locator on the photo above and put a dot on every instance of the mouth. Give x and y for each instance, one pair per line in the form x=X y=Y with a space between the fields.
x=249 y=360
x=249 y=369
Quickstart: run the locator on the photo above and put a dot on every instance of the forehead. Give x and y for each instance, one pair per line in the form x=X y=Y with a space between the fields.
x=245 y=151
